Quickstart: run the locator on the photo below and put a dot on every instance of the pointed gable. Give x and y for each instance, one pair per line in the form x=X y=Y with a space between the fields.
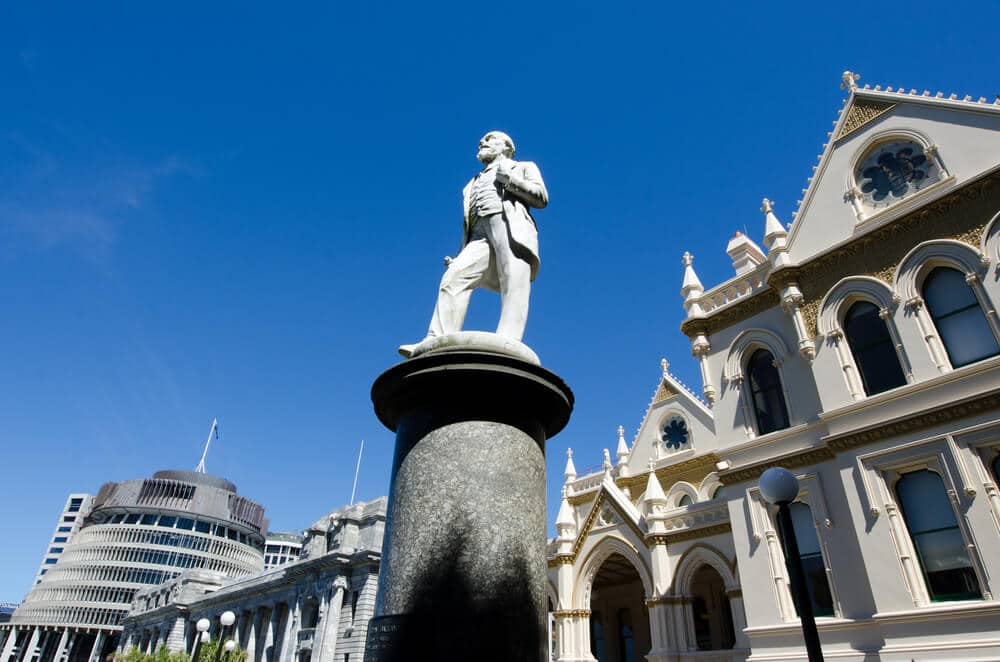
x=672 y=403
x=953 y=141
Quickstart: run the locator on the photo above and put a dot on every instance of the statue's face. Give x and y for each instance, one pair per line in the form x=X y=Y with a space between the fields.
x=491 y=146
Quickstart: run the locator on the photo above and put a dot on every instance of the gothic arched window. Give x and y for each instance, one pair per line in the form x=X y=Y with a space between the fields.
x=872 y=348
x=936 y=537
x=765 y=392
x=813 y=565
x=960 y=322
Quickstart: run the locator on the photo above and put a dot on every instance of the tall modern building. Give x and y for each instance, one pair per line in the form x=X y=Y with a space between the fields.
x=138 y=533
x=858 y=348
x=70 y=522
x=282 y=548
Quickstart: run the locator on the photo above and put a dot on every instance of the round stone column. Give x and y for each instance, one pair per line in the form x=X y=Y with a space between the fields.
x=463 y=565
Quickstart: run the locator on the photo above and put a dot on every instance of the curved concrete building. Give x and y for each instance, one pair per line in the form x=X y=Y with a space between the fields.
x=139 y=533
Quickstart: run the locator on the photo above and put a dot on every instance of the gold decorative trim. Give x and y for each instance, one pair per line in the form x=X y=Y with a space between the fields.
x=693 y=470
x=663 y=392
x=804 y=458
x=862 y=112
x=570 y=613
x=667 y=600
x=560 y=559
x=925 y=419
x=703 y=532
x=656 y=539
x=963 y=215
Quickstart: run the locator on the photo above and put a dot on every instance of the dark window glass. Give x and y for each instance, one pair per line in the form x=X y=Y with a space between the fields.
x=220 y=530
x=55 y=550
x=626 y=637
x=765 y=389
x=202 y=527
x=149 y=520
x=597 y=636
x=953 y=306
x=65 y=529
x=812 y=560
x=69 y=518
x=232 y=534
x=272 y=549
x=996 y=468
x=74 y=505
x=871 y=345
x=684 y=501
x=184 y=523
x=117 y=518
x=132 y=519
x=60 y=539
x=939 y=543
x=168 y=521
x=50 y=561
x=44 y=570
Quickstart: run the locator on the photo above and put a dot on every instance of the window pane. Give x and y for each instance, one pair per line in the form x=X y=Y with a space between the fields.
x=872 y=348
x=684 y=501
x=765 y=390
x=805 y=529
x=960 y=322
x=936 y=537
x=812 y=559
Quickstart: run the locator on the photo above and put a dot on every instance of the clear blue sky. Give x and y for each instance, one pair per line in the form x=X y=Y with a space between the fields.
x=220 y=209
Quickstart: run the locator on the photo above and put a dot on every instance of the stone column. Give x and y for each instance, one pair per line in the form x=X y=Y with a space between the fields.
x=463 y=559
x=26 y=654
x=735 y=596
x=95 y=651
x=331 y=619
x=8 y=647
x=269 y=635
x=289 y=640
x=61 y=647
x=251 y=636
x=176 y=640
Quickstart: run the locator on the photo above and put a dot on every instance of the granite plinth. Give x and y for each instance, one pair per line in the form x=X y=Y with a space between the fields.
x=463 y=562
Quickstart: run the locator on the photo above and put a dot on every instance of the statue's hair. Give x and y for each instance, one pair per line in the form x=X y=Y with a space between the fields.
x=508 y=141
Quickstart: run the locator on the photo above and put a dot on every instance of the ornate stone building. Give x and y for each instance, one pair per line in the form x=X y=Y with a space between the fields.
x=137 y=533
x=862 y=352
x=316 y=607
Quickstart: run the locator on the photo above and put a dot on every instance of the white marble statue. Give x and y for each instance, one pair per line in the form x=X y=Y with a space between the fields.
x=499 y=245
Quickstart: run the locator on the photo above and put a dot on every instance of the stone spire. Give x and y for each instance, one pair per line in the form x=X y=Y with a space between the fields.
x=691 y=288
x=654 y=491
x=622 y=451
x=565 y=522
x=654 y=502
x=570 y=472
x=775 y=235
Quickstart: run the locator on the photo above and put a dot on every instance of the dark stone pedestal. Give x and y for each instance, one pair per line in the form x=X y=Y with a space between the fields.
x=463 y=561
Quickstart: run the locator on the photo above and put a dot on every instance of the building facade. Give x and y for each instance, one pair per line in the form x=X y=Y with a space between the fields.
x=70 y=522
x=138 y=533
x=861 y=351
x=316 y=607
x=281 y=548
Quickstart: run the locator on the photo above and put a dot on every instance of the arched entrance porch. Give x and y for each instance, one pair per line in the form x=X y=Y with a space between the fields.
x=619 y=618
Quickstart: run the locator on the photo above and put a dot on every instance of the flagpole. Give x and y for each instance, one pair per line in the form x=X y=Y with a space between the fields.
x=357 y=469
x=214 y=429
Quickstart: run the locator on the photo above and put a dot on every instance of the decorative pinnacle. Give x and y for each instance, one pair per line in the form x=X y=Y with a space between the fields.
x=665 y=366
x=651 y=464
x=621 y=432
x=687 y=258
x=607 y=460
x=766 y=206
x=848 y=80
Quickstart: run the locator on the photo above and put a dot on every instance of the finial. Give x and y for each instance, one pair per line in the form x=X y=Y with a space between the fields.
x=691 y=287
x=766 y=206
x=607 y=460
x=775 y=233
x=849 y=80
x=687 y=258
x=651 y=464
x=622 y=451
x=570 y=472
x=665 y=366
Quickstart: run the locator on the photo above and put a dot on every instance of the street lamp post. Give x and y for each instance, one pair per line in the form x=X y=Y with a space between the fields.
x=202 y=627
x=780 y=487
x=227 y=619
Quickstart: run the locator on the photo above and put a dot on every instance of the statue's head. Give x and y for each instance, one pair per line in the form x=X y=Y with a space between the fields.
x=493 y=145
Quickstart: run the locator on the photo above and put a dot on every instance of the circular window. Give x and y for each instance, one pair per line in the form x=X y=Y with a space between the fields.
x=893 y=170
x=675 y=433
